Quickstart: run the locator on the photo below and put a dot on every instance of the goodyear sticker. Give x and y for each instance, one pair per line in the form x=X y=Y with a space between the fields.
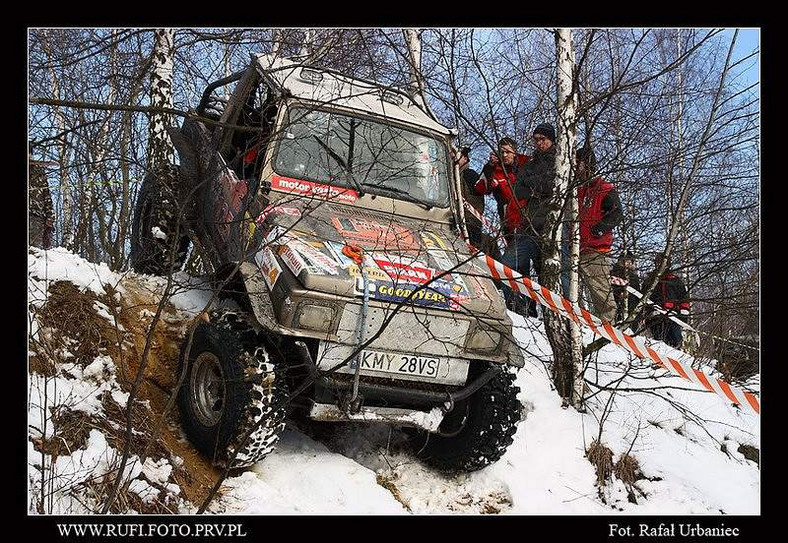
x=404 y=293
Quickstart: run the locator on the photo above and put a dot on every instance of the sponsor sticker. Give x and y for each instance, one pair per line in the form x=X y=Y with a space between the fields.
x=277 y=210
x=336 y=252
x=295 y=262
x=277 y=236
x=309 y=188
x=434 y=241
x=400 y=272
x=314 y=256
x=269 y=266
x=379 y=234
x=398 y=293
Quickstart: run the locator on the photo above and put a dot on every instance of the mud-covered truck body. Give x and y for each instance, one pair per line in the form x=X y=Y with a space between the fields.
x=330 y=208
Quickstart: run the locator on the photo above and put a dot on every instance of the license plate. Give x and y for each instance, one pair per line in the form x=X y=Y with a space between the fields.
x=422 y=366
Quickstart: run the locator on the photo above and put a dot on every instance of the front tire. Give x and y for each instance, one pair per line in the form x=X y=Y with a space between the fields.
x=476 y=432
x=230 y=389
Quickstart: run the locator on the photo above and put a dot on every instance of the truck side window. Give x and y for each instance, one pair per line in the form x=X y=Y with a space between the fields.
x=258 y=113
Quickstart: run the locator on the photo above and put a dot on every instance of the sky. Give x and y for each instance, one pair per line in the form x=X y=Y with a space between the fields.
x=747 y=41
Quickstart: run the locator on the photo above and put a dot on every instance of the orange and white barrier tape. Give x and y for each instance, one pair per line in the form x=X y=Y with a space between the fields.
x=635 y=345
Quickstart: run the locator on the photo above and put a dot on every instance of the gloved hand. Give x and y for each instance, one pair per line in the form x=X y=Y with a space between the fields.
x=597 y=231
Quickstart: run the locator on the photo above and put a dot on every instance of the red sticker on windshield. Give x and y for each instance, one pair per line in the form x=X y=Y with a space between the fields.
x=308 y=188
x=375 y=234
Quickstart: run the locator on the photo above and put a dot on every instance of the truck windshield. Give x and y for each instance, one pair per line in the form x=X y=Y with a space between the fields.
x=361 y=154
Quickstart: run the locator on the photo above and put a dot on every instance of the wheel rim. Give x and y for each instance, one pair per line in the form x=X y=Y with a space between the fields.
x=207 y=389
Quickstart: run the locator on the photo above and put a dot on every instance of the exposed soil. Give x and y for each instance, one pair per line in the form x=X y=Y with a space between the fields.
x=72 y=319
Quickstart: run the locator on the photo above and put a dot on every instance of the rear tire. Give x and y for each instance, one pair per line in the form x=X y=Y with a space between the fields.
x=476 y=432
x=153 y=251
x=230 y=389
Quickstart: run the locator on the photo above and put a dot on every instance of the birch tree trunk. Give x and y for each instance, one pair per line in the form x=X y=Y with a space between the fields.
x=276 y=41
x=306 y=48
x=563 y=334
x=416 y=87
x=160 y=147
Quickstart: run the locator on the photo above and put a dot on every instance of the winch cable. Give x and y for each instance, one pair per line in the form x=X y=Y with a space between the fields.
x=356 y=253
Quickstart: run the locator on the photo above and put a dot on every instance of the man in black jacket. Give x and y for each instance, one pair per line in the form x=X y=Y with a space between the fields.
x=476 y=235
x=534 y=184
x=670 y=294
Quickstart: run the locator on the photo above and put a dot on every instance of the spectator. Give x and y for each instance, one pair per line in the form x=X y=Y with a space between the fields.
x=498 y=178
x=534 y=188
x=468 y=181
x=599 y=211
x=670 y=294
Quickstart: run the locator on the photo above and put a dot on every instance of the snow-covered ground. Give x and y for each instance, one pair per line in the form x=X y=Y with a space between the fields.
x=685 y=440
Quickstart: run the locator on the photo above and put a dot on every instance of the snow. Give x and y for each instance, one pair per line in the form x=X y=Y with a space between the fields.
x=685 y=439
x=59 y=264
x=304 y=477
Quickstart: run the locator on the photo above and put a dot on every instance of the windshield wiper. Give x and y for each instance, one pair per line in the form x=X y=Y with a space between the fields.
x=333 y=154
x=406 y=193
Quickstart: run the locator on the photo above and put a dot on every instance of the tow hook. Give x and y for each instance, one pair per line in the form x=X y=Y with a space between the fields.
x=352 y=403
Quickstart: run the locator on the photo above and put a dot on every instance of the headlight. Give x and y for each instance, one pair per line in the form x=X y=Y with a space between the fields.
x=314 y=317
x=482 y=338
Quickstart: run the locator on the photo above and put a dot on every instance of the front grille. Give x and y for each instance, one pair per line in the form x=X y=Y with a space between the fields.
x=410 y=331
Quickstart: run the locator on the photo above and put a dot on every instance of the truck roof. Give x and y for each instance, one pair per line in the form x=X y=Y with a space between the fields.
x=358 y=94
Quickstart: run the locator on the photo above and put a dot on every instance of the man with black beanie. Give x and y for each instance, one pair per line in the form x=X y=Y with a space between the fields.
x=534 y=185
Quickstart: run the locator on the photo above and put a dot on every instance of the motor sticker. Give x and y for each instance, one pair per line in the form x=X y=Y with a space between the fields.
x=309 y=188
x=268 y=266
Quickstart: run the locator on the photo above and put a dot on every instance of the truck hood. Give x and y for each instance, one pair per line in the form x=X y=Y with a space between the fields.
x=400 y=254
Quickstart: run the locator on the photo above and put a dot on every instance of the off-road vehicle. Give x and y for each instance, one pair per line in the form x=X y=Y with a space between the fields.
x=330 y=208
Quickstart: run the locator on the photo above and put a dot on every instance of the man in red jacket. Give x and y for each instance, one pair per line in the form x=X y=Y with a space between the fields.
x=498 y=178
x=599 y=212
